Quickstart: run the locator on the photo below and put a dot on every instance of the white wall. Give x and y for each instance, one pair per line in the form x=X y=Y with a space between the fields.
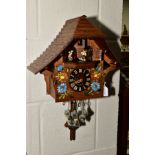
x=45 y=119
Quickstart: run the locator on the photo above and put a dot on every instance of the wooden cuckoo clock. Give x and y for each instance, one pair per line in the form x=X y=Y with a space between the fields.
x=74 y=66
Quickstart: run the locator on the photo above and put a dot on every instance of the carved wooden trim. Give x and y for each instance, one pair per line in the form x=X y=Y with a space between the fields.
x=82 y=65
x=47 y=76
x=109 y=69
x=108 y=60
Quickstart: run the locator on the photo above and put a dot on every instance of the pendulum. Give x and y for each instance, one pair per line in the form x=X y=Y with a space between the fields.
x=76 y=115
x=72 y=119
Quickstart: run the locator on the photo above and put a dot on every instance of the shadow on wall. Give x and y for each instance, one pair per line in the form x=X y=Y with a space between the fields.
x=111 y=39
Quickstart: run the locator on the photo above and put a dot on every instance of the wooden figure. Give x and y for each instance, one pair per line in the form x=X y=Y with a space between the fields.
x=73 y=64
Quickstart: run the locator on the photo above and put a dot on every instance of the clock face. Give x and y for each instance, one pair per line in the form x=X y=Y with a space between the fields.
x=79 y=79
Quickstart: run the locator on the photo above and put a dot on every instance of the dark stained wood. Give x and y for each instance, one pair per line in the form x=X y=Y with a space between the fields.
x=80 y=96
x=53 y=93
x=125 y=37
x=87 y=65
x=47 y=77
x=72 y=134
x=97 y=50
x=123 y=119
x=73 y=130
x=108 y=59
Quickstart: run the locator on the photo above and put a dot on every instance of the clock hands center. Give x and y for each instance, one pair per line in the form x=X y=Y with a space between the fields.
x=79 y=81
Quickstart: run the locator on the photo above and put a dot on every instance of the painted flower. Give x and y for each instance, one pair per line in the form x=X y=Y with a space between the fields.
x=62 y=88
x=60 y=68
x=98 y=68
x=61 y=76
x=96 y=75
x=95 y=86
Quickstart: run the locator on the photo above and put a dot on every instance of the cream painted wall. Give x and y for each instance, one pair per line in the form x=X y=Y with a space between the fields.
x=45 y=119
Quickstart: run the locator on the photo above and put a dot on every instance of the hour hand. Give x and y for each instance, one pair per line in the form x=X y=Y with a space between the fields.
x=79 y=81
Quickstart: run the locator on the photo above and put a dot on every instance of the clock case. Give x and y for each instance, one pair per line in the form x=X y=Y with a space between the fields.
x=65 y=54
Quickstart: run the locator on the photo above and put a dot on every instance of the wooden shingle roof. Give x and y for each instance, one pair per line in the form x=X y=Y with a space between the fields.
x=73 y=29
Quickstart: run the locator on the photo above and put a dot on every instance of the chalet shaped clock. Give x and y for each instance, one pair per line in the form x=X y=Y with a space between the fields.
x=74 y=66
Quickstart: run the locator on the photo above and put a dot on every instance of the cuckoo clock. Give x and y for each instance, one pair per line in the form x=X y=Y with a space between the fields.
x=74 y=67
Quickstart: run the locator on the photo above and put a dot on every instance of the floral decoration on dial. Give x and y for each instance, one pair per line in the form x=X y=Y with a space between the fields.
x=62 y=88
x=98 y=68
x=62 y=76
x=96 y=75
x=60 y=68
x=95 y=86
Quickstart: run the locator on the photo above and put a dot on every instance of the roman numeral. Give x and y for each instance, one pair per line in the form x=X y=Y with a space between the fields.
x=75 y=88
x=84 y=87
x=88 y=79
x=84 y=71
x=87 y=83
x=72 y=75
x=71 y=80
x=72 y=85
x=79 y=88
x=75 y=71
x=80 y=70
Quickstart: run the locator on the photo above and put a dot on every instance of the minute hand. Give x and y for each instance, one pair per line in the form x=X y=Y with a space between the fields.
x=79 y=81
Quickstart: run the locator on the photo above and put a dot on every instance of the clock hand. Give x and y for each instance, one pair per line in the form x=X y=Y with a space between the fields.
x=79 y=81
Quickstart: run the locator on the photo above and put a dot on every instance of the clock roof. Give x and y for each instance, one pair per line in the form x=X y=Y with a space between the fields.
x=79 y=27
